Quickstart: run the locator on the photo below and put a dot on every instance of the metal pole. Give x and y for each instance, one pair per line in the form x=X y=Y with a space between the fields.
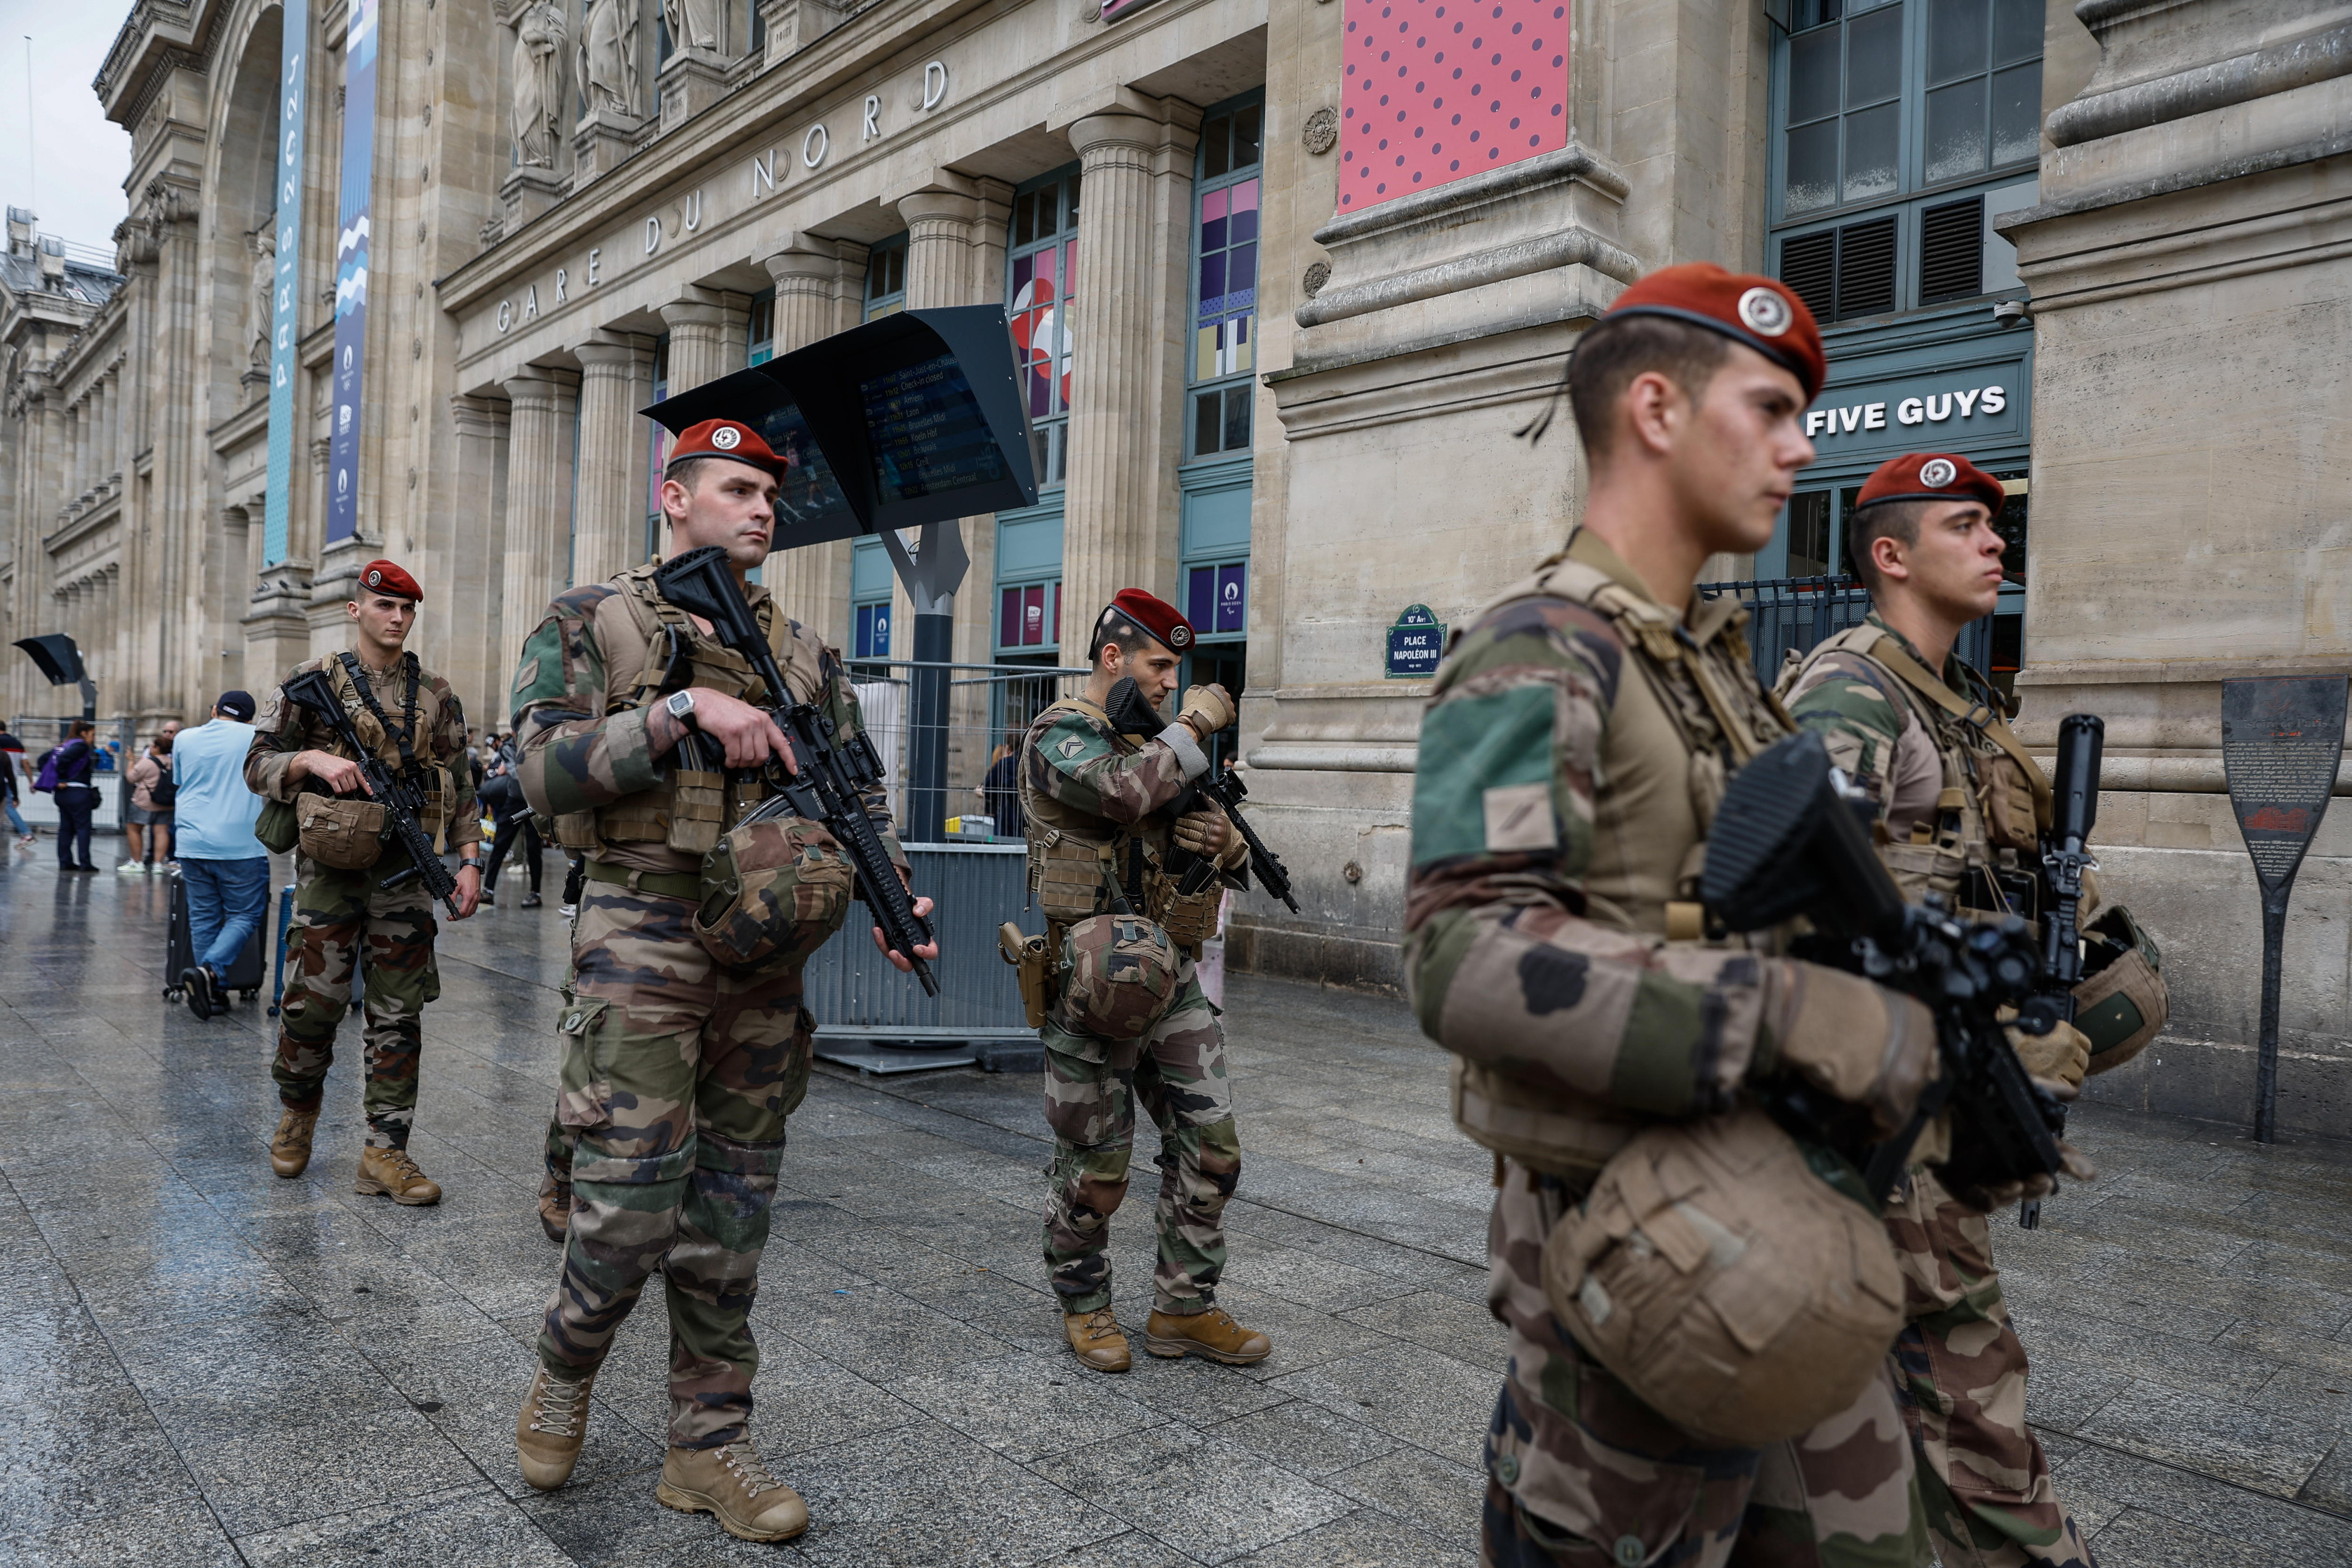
x=2266 y=1061
x=927 y=729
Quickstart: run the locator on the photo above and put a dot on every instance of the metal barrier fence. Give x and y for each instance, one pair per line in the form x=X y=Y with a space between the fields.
x=859 y=1000
x=37 y=734
x=988 y=708
x=1797 y=615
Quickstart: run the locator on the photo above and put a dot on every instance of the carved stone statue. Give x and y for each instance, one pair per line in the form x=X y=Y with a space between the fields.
x=538 y=82
x=607 y=61
x=693 y=24
x=260 y=300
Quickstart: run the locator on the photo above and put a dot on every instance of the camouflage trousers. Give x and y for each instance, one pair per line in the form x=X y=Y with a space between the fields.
x=1092 y=1085
x=1960 y=1369
x=678 y=1074
x=1581 y=1472
x=336 y=913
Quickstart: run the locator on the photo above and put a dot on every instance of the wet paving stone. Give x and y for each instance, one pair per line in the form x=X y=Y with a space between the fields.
x=201 y=1363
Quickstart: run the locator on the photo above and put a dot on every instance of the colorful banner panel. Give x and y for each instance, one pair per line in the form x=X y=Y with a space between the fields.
x=293 y=87
x=351 y=271
x=1436 y=90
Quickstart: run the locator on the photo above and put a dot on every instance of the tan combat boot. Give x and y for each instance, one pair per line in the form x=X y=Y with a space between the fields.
x=552 y=1426
x=1095 y=1339
x=554 y=1208
x=1213 y=1333
x=289 y=1146
x=733 y=1484
x=389 y=1173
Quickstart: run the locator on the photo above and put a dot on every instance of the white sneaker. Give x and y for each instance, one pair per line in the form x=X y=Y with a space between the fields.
x=128 y=869
x=567 y=911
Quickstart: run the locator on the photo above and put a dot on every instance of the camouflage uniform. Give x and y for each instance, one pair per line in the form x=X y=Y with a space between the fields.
x=1959 y=1365
x=1080 y=778
x=338 y=912
x=677 y=1070
x=1571 y=755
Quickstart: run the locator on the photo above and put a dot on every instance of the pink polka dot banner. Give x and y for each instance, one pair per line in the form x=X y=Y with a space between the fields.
x=1438 y=90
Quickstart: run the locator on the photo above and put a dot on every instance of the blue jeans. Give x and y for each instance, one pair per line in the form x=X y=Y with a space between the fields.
x=225 y=901
x=15 y=818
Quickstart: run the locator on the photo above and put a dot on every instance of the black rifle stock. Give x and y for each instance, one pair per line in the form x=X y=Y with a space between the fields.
x=2065 y=856
x=832 y=772
x=1787 y=842
x=1131 y=715
x=398 y=797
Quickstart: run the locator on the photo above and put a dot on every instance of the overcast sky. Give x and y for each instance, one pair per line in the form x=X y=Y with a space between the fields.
x=71 y=167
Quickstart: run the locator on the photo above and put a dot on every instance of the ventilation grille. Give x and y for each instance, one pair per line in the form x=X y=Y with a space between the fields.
x=1842 y=272
x=1951 y=251
x=1809 y=267
x=1865 y=282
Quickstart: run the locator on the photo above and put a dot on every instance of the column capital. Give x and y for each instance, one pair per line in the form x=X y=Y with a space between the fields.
x=539 y=387
x=606 y=354
x=692 y=314
x=935 y=205
x=1124 y=117
x=807 y=256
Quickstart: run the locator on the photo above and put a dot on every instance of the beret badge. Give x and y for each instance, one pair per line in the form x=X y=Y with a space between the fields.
x=1763 y=311
x=1937 y=472
x=727 y=438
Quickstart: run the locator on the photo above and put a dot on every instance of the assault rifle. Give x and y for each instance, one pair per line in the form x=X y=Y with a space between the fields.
x=1131 y=715
x=399 y=796
x=1788 y=841
x=2075 y=808
x=832 y=772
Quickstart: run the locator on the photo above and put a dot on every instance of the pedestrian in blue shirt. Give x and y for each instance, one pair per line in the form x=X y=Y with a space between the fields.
x=224 y=867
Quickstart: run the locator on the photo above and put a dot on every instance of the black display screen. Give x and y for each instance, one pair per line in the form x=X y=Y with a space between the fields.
x=927 y=432
x=808 y=497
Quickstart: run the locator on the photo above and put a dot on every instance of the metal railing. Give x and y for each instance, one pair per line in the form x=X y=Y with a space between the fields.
x=1797 y=615
x=988 y=708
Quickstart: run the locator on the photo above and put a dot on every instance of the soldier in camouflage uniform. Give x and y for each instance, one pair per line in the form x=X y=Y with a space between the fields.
x=1130 y=1022
x=678 y=1069
x=415 y=720
x=1958 y=797
x=1577 y=739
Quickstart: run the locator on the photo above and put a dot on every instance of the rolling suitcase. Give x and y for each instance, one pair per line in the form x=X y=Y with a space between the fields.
x=247 y=975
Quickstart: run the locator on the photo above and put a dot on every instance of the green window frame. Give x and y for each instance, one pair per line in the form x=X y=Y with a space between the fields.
x=1228 y=197
x=759 y=329
x=1041 y=262
x=885 y=279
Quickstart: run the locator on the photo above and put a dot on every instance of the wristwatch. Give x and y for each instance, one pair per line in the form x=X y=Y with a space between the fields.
x=681 y=707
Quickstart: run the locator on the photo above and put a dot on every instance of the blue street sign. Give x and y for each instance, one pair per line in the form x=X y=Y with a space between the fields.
x=1416 y=642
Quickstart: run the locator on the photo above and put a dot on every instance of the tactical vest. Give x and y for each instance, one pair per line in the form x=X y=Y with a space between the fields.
x=1075 y=857
x=1993 y=798
x=651 y=649
x=373 y=725
x=1687 y=713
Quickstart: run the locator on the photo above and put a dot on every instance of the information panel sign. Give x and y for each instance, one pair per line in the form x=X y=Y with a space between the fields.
x=2281 y=743
x=351 y=272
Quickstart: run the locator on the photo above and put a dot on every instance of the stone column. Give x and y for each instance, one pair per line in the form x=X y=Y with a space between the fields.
x=609 y=524
x=1124 y=374
x=483 y=634
x=706 y=337
x=541 y=405
x=811 y=583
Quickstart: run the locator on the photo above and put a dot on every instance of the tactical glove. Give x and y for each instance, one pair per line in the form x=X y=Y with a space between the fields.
x=1206 y=710
x=1204 y=832
x=2058 y=1059
x=1862 y=1043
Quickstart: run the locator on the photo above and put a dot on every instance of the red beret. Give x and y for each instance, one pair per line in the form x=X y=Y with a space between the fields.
x=1764 y=313
x=1932 y=475
x=1158 y=616
x=386 y=577
x=724 y=439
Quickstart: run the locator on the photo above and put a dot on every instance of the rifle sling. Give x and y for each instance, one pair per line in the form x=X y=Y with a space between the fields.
x=1980 y=717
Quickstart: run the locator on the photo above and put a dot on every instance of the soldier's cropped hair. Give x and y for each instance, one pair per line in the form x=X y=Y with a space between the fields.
x=1896 y=520
x=1613 y=354
x=1112 y=626
x=687 y=471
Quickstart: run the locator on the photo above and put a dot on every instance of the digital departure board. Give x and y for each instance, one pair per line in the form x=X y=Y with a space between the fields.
x=809 y=506
x=926 y=432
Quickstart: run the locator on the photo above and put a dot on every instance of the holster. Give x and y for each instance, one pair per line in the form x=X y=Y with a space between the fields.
x=1032 y=970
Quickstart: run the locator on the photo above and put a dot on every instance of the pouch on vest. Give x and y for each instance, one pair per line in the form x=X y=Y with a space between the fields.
x=1119 y=976
x=279 y=827
x=773 y=892
x=2008 y=799
x=2122 y=1003
x=343 y=832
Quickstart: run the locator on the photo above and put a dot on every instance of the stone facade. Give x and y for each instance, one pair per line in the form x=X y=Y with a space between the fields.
x=580 y=202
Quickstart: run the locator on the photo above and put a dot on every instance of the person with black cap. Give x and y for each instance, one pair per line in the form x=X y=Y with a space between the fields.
x=1126 y=1021
x=684 y=1044
x=224 y=867
x=412 y=721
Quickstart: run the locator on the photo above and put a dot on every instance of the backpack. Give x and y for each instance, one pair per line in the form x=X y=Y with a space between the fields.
x=165 y=791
